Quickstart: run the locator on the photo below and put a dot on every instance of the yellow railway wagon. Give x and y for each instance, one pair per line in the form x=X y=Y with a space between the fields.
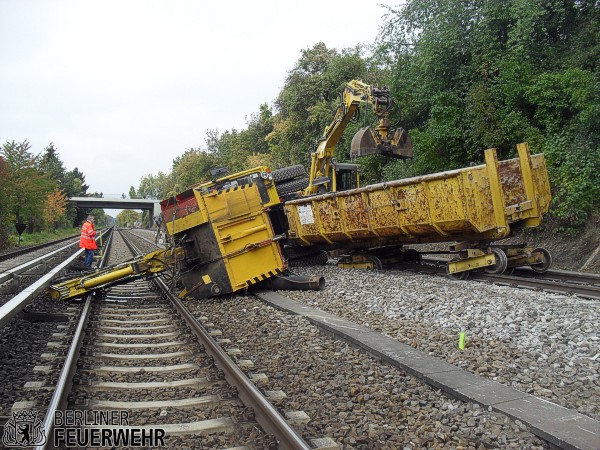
x=472 y=204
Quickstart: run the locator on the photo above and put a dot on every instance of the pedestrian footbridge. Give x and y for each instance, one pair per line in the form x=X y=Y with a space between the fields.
x=152 y=205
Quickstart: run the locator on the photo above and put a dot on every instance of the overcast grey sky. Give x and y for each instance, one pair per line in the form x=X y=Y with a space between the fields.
x=123 y=87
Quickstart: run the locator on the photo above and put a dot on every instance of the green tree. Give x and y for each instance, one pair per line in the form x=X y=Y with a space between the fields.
x=75 y=186
x=156 y=186
x=223 y=148
x=5 y=206
x=51 y=164
x=193 y=167
x=132 y=193
x=251 y=144
x=128 y=218
x=471 y=75
x=27 y=187
x=100 y=217
x=309 y=98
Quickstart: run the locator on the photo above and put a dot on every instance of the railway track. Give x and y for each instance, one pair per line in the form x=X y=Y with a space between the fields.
x=134 y=365
x=585 y=285
x=140 y=360
x=27 y=251
x=22 y=268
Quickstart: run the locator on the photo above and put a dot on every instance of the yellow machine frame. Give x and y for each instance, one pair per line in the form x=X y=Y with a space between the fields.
x=144 y=266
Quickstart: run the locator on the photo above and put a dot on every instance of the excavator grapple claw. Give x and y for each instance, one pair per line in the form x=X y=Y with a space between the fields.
x=364 y=144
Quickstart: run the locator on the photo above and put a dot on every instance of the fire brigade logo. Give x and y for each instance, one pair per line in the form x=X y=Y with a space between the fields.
x=24 y=429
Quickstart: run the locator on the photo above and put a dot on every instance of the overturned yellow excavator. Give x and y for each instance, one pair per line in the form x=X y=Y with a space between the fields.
x=224 y=240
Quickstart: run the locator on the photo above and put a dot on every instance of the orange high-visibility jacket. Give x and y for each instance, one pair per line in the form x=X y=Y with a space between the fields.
x=87 y=236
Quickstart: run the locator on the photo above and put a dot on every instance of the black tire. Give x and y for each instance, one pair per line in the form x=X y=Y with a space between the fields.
x=291 y=186
x=288 y=173
x=544 y=266
x=501 y=262
x=316 y=259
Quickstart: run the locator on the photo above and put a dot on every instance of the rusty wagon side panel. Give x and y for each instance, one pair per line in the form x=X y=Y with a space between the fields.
x=475 y=203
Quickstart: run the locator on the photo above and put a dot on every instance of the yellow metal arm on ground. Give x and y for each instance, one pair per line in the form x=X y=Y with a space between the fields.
x=382 y=139
x=143 y=266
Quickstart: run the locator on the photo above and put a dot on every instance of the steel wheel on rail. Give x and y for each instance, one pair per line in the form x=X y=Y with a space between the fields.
x=376 y=262
x=501 y=262
x=543 y=266
x=459 y=275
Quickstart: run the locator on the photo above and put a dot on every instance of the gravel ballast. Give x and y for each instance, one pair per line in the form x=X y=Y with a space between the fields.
x=540 y=343
x=349 y=395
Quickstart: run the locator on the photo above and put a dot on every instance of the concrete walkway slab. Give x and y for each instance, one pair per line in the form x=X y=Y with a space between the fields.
x=560 y=426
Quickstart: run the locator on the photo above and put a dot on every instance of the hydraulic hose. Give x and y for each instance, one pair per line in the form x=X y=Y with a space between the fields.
x=293 y=283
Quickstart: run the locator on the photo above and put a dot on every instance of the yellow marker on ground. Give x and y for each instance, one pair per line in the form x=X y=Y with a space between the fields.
x=461 y=340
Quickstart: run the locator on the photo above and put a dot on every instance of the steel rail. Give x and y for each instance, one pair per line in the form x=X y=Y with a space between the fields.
x=136 y=251
x=554 y=275
x=27 y=295
x=144 y=238
x=10 y=273
x=32 y=248
x=581 y=290
x=266 y=415
x=65 y=379
x=591 y=291
x=560 y=275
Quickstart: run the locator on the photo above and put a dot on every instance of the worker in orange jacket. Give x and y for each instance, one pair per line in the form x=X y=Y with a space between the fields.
x=88 y=241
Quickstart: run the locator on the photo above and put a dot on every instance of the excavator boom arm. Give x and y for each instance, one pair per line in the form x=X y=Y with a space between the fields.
x=352 y=96
x=143 y=266
x=382 y=139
